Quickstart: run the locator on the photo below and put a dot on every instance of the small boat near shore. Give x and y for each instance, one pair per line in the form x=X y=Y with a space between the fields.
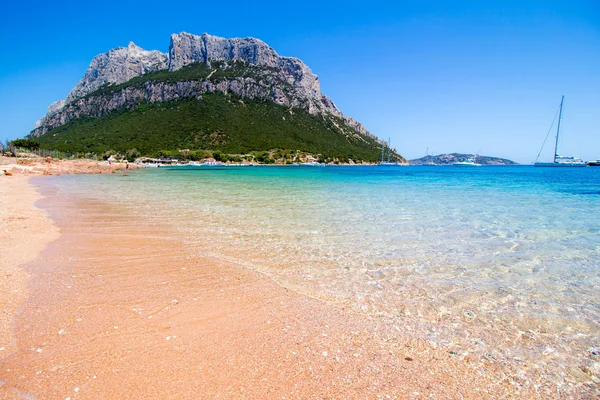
x=560 y=161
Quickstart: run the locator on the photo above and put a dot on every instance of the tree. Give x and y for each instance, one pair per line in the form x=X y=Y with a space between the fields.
x=26 y=144
x=217 y=155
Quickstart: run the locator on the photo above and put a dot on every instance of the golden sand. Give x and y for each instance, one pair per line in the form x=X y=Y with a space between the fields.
x=118 y=313
x=44 y=166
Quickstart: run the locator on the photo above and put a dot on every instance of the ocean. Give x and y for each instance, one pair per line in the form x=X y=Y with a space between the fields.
x=498 y=263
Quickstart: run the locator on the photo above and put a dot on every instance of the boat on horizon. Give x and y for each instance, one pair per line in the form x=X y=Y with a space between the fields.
x=429 y=163
x=559 y=161
x=468 y=162
x=593 y=163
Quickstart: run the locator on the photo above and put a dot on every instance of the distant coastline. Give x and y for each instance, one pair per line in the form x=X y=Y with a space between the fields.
x=449 y=159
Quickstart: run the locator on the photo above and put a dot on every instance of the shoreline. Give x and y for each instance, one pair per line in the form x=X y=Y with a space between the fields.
x=27 y=231
x=157 y=330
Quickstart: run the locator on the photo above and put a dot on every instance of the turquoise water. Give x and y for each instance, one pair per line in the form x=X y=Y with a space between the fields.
x=501 y=263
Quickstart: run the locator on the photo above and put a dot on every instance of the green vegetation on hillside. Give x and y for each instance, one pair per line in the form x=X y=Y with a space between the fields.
x=216 y=72
x=216 y=122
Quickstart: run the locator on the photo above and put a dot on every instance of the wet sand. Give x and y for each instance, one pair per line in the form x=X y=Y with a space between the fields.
x=119 y=310
x=25 y=232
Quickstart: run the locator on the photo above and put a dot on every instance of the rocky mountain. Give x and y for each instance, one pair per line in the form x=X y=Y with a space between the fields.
x=117 y=66
x=449 y=159
x=247 y=68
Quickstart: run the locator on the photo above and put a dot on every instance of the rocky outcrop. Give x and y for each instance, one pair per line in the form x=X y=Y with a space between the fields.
x=117 y=66
x=300 y=89
x=186 y=48
x=53 y=109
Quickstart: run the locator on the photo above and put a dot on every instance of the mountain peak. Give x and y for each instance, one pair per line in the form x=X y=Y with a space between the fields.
x=186 y=48
x=117 y=66
x=286 y=81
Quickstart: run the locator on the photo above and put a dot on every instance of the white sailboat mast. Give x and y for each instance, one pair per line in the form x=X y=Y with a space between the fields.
x=558 y=128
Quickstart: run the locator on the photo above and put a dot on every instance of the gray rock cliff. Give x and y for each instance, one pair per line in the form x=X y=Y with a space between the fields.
x=302 y=88
x=117 y=66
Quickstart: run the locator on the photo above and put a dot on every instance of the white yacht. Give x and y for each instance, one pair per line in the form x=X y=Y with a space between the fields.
x=467 y=163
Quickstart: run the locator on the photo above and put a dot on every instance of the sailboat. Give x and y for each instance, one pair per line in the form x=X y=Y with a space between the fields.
x=560 y=161
x=429 y=163
x=388 y=162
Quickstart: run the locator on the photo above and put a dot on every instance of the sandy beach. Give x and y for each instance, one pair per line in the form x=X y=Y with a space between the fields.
x=25 y=232
x=107 y=310
x=42 y=166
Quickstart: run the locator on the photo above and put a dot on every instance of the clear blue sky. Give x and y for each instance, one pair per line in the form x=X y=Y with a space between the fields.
x=452 y=76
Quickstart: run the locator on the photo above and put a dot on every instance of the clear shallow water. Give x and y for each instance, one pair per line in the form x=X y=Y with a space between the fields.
x=499 y=263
